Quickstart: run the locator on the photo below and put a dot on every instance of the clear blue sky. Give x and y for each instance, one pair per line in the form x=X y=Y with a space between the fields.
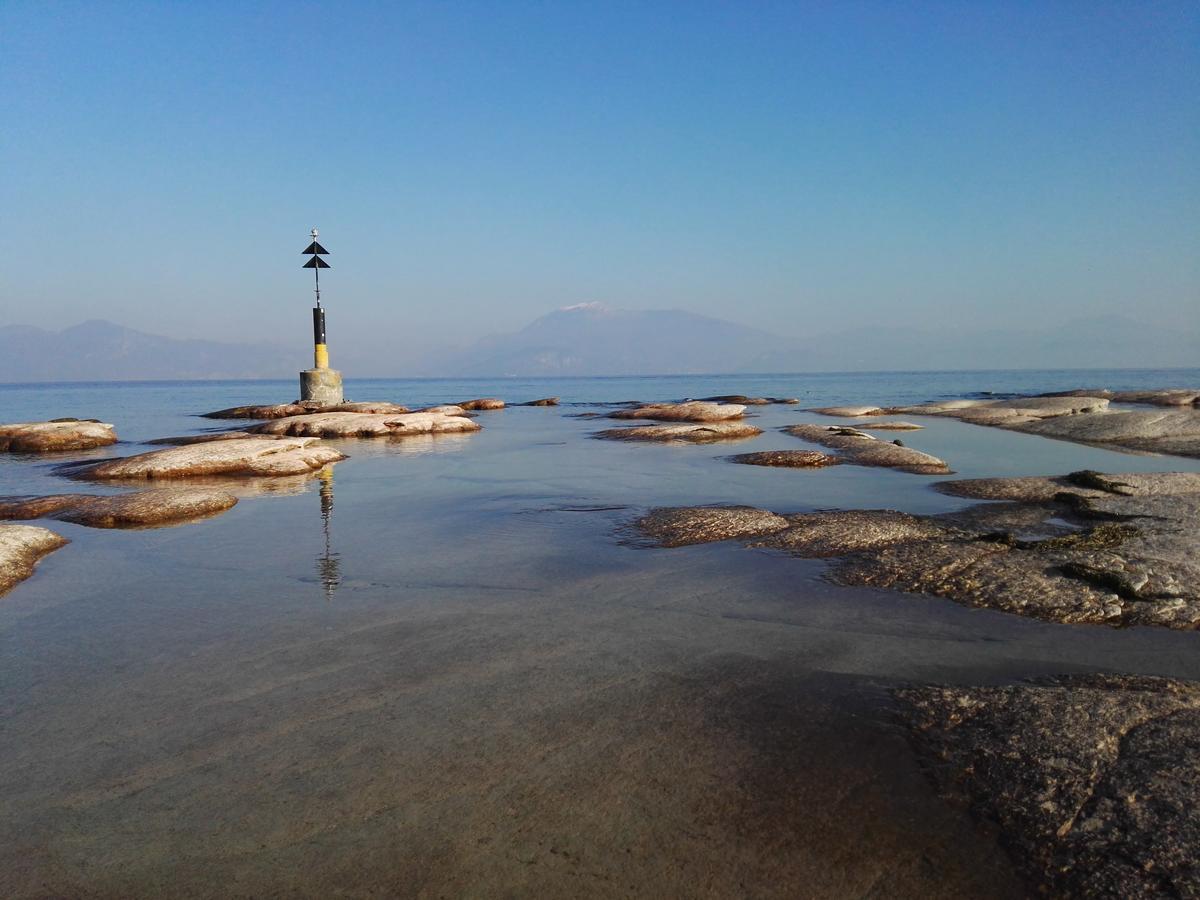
x=802 y=167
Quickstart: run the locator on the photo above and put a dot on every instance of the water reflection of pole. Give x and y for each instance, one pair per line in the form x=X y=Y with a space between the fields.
x=328 y=565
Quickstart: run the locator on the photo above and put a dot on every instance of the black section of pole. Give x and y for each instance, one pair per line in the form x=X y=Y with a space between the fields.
x=317 y=281
x=318 y=325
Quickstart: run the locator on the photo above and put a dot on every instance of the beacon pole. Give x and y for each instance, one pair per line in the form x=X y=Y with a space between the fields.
x=320 y=384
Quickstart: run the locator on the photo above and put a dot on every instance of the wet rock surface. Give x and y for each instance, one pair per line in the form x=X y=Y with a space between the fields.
x=863 y=449
x=187 y=439
x=21 y=546
x=142 y=509
x=58 y=435
x=484 y=403
x=787 y=459
x=679 y=527
x=1080 y=416
x=545 y=401
x=850 y=412
x=691 y=411
x=888 y=426
x=750 y=401
x=1124 y=554
x=691 y=433
x=1092 y=780
x=304 y=407
x=246 y=457
x=368 y=425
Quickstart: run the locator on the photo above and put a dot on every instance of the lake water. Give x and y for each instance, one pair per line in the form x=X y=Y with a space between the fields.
x=443 y=672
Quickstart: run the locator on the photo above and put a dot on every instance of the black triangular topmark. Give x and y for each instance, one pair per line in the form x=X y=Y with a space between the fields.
x=316 y=263
x=314 y=247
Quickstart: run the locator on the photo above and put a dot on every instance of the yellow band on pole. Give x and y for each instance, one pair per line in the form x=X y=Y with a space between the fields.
x=321 y=356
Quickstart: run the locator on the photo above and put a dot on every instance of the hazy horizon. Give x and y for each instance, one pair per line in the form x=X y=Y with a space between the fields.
x=471 y=167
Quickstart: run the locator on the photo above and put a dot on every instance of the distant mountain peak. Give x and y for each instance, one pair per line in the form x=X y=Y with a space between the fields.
x=592 y=306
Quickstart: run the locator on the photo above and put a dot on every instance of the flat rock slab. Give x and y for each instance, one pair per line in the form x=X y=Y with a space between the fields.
x=142 y=509
x=681 y=526
x=850 y=412
x=692 y=411
x=1159 y=397
x=1174 y=431
x=750 y=401
x=484 y=403
x=862 y=449
x=365 y=425
x=690 y=433
x=1120 y=554
x=61 y=434
x=445 y=409
x=888 y=426
x=21 y=546
x=1092 y=780
x=186 y=439
x=786 y=459
x=304 y=407
x=246 y=457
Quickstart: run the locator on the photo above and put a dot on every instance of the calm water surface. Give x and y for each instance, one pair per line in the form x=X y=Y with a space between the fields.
x=441 y=671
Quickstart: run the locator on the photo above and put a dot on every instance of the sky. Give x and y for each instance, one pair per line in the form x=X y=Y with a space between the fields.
x=805 y=168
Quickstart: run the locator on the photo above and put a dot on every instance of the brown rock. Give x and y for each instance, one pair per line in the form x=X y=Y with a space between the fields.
x=61 y=434
x=305 y=407
x=367 y=425
x=838 y=532
x=247 y=457
x=691 y=411
x=545 y=401
x=142 y=509
x=847 y=411
x=692 y=433
x=21 y=546
x=788 y=459
x=888 y=426
x=864 y=450
x=681 y=526
x=484 y=403
x=1092 y=780
x=185 y=440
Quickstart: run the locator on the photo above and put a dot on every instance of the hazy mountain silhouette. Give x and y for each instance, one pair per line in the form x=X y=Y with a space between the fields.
x=103 y=351
x=593 y=339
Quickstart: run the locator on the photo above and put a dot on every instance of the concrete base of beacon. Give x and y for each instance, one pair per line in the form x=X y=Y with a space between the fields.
x=321 y=386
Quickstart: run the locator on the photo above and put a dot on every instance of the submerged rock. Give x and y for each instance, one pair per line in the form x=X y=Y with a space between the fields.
x=787 y=459
x=165 y=506
x=61 y=434
x=545 y=401
x=750 y=401
x=246 y=457
x=690 y=411
x=862 y=449
x=21 y=546
x=483 y=403
x=1092 y=780
x=838 y=532
x=367 y=425
x=679 y=527
x=692 y=433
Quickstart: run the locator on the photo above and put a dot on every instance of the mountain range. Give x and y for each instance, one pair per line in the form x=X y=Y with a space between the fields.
x=594 y=339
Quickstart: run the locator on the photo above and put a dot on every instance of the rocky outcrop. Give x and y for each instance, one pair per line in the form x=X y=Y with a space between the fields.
x=1161 y=397
x=750 y=401
x=1091 y=780
x=60 y=434
x=1084 y=548
x=890 y=425
x=786 y=459
x=304 y=407
x=366 y=425
x=851 y=412
x=691 y=411
x=21 y=546
x=186 y=439
x=691 y=433
x=545 y=401
x=1076 y=416
x=247 y=457
x=679 y=527
x=861 y=449
x=444 y=410
x=142 y=509
x=483 y=403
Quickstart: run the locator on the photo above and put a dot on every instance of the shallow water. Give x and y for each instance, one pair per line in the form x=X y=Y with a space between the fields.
x=443 y=672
